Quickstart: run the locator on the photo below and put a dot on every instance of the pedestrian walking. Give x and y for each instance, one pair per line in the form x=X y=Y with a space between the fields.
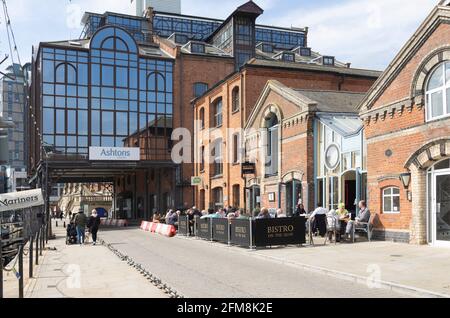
x=80 y=221
x=93 y=225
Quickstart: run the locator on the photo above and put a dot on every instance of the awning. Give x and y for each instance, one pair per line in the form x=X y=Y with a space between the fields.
x=345 y=125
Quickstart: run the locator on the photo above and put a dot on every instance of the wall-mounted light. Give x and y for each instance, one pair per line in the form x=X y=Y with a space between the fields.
x=405 y=178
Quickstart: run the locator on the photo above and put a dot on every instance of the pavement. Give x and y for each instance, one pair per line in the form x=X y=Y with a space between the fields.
x=86 y=272
x=200 y=269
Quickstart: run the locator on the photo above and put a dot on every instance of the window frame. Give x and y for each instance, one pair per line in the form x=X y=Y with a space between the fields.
x=235 y=99
x=391 y=195
x=443 y=88
x=218 y=115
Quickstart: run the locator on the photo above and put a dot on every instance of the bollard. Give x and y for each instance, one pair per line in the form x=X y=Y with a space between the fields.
x=1 y=268
x=65 y=224
x=37 y=247
x=30 y=258
x=56 y=223
x=21 y=271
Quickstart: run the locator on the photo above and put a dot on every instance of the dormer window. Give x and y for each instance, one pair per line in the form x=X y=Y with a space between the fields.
x=267 y=48
x=198 y=48
x=288 y=57
x=181 y=39
x=305 y=51
x=328 y=60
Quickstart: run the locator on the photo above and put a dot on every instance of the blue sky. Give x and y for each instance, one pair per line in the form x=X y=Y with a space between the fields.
x=367 y=33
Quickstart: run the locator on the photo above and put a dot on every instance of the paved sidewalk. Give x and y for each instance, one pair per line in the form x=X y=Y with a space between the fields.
x=417 y=270
x=86 y=272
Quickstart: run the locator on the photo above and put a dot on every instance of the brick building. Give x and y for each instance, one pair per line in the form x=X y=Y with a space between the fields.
x=407 y=127
x=223 y=112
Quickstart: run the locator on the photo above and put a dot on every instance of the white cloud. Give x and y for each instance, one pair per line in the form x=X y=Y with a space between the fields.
x=365 y=32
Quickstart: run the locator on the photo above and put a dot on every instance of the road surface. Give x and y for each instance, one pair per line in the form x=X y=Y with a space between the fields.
x=199 y=269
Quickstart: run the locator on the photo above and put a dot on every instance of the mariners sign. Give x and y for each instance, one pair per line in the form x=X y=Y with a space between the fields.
x=21 y=200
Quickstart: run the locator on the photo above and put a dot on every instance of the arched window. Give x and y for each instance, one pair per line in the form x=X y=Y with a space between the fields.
x=271 y=126
x=201 y=118
x=202 y=158
x=114 y=38
x=156 y=82
x=236 y=101
x=391 y=200
x=218 y=159
x=66 y=73
x=217 y=111
x=217 y=195
x=236 y=148
x=438 y=92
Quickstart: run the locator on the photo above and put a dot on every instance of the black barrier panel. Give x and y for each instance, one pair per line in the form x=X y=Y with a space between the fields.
x=183 y=225
x=220 y=230
x=283 y=231
x=240 y=233
x=204 y=228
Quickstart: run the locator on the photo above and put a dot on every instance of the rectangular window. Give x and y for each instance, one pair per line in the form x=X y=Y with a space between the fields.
x=107 y=123
x=391 y=200
x=200 y=89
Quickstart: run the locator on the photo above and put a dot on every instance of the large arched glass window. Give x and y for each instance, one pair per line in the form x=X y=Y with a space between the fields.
x=438 y=92
x=114 y=87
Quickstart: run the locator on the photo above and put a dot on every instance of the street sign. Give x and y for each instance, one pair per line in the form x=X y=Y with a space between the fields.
x=21 y=200
x=196 y=181
x=248 y=168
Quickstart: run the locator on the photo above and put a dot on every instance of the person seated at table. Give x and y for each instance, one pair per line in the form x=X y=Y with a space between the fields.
x=231 y=216
x=281 y=214
x=364 y=217
x=342 y=212
x=333 y=223
x=173 y=220
x=318 y=219
x=264 y=214
x=300 y=210
x=169 y=214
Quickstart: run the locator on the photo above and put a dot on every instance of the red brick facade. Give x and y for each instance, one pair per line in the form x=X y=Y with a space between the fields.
x=399 y=137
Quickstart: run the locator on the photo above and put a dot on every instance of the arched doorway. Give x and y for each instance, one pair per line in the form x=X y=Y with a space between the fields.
x=439 y=203
x=430 y=174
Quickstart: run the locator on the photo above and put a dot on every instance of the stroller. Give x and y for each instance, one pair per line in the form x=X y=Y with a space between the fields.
x=71 y=237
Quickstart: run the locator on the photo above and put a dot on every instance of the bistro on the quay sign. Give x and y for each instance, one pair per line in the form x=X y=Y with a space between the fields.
x=114 y=154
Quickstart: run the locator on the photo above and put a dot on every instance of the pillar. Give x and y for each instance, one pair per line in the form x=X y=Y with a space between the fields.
x=419 y=206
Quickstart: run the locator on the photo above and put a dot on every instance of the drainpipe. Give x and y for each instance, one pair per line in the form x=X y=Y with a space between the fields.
x=316 y=184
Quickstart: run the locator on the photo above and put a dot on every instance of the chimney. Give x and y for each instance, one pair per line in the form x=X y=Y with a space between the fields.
x=149 y=15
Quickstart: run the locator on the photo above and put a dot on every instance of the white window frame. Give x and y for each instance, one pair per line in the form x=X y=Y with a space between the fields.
x=392 y=196
x=429 y=93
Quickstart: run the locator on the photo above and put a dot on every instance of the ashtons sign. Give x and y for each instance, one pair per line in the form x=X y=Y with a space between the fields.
x=21 y=200
x=114 y=154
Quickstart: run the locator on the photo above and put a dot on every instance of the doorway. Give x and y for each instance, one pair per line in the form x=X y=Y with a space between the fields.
x=441 y=208
x=349 y=191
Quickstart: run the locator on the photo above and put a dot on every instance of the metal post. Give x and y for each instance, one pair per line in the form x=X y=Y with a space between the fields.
x=229 y=233
x=251 y=234
x=37 y=247
x=42 y=236
x=30 y=257
x=21 y=271
x=211 y=228
x=1 y=267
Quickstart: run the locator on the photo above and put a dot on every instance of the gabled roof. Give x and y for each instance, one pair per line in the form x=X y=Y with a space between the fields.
x=440 y=14
x=327 y=103
x=249 y=7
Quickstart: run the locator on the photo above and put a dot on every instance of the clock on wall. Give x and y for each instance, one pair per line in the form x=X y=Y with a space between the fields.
x=332 y=156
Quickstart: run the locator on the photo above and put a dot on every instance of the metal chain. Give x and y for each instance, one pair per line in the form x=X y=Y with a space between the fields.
x=150 y=277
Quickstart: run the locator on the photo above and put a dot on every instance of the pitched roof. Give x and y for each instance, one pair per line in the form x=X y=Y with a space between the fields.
x=334 y=101
x=328 y=103
x=440 y=14
x=312 y=67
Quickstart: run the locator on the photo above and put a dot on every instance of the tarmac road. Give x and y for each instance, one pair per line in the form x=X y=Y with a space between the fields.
x=199 y=269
